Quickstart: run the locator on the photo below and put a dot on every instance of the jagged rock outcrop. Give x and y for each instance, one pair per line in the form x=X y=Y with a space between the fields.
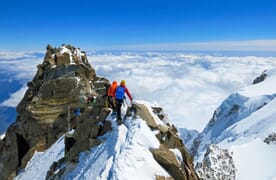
x=91 y=125
x=62 y=83
x=217 y=164
x=270 y=139
x=260 y=78
x=169 y=140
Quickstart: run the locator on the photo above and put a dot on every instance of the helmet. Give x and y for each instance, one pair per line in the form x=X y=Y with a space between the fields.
x=123 y=82
x=114 y=83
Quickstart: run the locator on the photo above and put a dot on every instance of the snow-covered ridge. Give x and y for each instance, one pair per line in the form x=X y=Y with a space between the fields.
x=124 y=151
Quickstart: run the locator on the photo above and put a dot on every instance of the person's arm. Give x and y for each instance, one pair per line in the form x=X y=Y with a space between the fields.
x=128 y=94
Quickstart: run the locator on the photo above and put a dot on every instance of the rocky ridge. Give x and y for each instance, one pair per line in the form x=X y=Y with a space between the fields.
x=62 y=83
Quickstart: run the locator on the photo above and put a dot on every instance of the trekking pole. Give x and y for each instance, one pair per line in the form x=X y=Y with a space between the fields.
x=125 y=101
x=68 y=118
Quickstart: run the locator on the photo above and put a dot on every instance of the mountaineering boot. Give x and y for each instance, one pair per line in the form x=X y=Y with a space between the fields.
x=119 y=121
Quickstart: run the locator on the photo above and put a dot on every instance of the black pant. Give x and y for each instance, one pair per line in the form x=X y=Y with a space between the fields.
x=119 y=103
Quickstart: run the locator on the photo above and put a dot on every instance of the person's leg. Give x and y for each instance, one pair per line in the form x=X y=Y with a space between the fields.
x=110 y=101
x=118 y=106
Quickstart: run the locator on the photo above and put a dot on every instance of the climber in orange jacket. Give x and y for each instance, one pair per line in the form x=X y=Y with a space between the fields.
x=111 y=94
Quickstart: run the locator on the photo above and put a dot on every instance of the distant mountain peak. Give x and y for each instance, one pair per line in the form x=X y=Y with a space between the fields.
x=243 y=124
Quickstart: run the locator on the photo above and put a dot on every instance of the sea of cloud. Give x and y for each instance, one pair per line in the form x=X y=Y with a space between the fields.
x=188 y=86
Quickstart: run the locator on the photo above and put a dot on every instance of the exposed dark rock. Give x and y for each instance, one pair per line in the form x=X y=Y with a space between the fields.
x=271 y=138
x=56 y=170
x=217 y=164
x=235 y=108
x=105 y=128
x=260 y=78
x=159 y=112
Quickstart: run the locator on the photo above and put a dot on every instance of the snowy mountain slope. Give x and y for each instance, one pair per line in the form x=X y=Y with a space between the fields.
x=40 y=163
x=124 y=153
x=240 y=124
x=254 y=160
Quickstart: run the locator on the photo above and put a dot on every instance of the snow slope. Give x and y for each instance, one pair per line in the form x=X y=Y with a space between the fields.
x=240 y=124
x=40 y=163
x=124 y=152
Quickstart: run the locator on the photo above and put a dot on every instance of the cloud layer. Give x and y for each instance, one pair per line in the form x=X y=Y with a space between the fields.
x=15 y=98
x=189 y=86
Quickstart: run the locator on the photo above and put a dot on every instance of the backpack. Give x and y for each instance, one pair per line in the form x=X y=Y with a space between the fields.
x=77 y=111
x=120 y=92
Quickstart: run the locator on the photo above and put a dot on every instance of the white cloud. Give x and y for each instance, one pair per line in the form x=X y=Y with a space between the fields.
x=15 y=98
x=188 y=86
x=19 y=65
x=8 y=55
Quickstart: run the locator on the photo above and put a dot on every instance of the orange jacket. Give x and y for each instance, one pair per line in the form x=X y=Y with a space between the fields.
x=112 y=89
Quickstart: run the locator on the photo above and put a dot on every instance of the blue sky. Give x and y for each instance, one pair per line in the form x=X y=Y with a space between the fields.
x=32 y=24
